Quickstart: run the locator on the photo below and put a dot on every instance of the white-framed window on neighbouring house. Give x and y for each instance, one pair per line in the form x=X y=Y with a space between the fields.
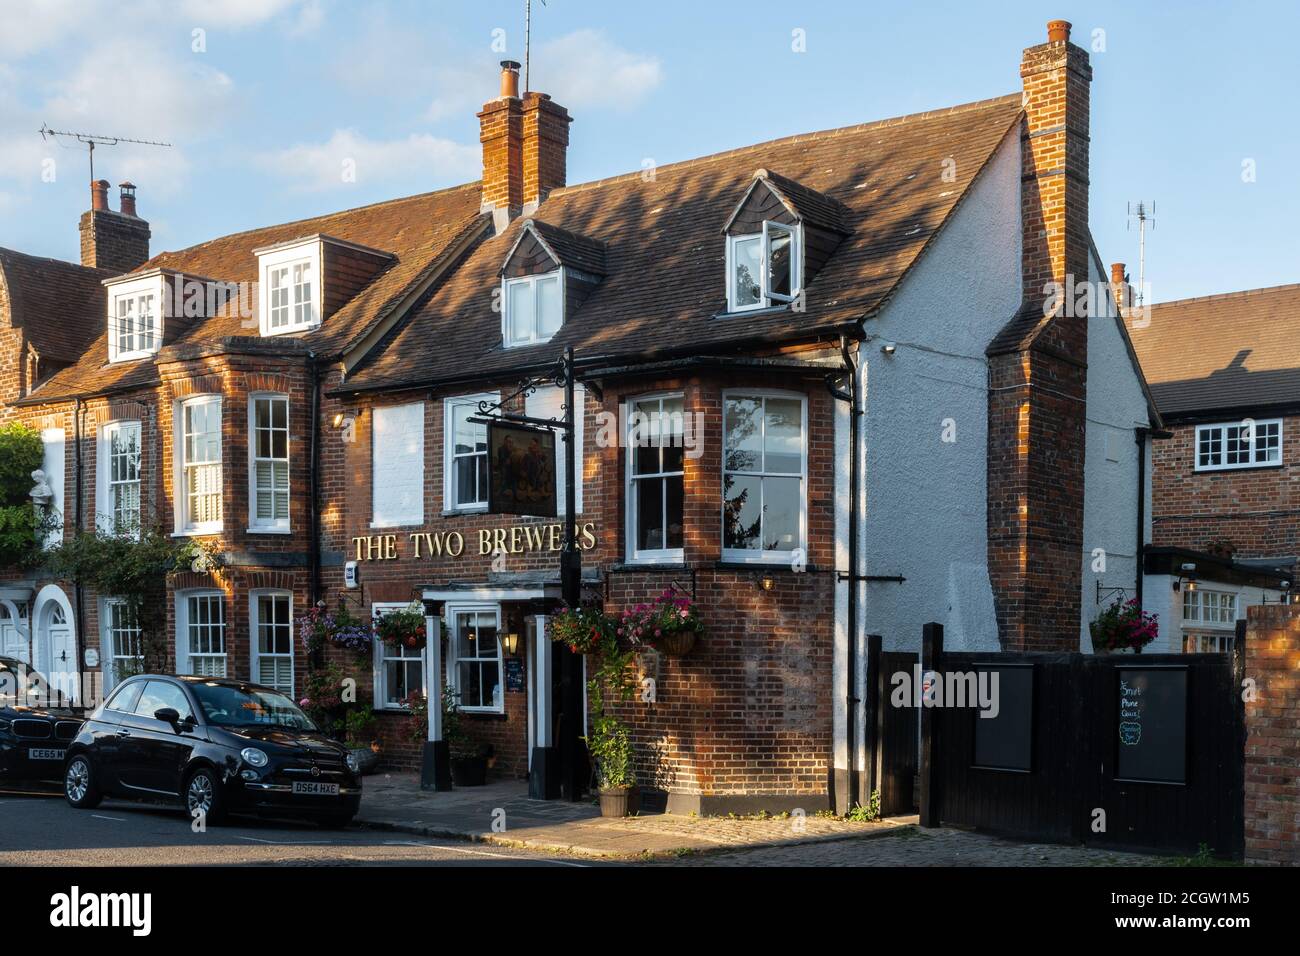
x=399 y=671
x=465 y=453
x=1244 y=444
x=534 y=308
x=474 y=666
x=764 y=468
x=268 y=450
x=271 y=628
x=291 y=296
x=656 y=476
x=123 y=644
x=118 y=502
x=200 y=494
x=201 y=622
x=1209 y=620
x=764 y=268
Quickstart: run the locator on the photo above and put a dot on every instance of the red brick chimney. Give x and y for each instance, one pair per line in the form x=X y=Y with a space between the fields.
x=1119 y=286
x=1038 y=366
x=524 y=145
x=113 y=240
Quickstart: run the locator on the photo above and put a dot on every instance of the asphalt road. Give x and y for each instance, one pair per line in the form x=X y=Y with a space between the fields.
x=40 y=829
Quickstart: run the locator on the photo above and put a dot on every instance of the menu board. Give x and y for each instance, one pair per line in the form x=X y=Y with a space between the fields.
x=1006 y=741
x=1152 y=725
x=514 y=675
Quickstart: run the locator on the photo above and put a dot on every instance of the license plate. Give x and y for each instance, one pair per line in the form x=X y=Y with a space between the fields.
x=316 y=789
x=45 y=753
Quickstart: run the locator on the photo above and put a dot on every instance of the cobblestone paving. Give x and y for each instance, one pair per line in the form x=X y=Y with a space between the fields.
x=914 y=847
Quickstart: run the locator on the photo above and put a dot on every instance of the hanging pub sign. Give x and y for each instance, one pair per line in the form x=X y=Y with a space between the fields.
x=521 y=470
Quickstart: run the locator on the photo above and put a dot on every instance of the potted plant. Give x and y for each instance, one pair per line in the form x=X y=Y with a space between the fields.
x=469 y=759
x=403 y=627
x=610 y=747
x=671 y=624
x=584 y=629
x=359 y=736
x=1123 y=626
x=323 y=700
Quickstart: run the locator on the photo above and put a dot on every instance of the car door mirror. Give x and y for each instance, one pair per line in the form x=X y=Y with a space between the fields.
x=168 y=715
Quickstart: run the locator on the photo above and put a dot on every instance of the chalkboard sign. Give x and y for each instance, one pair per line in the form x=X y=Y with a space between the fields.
x=1152 y=724
x=514 y=675
x=1006 y=741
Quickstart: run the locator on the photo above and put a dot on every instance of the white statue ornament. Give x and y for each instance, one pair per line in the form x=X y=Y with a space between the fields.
x=42 y=493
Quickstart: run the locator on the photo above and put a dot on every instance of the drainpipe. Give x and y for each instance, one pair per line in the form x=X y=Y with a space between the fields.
x=313 y=557
x=1140 y=435
x=78 y=637
x=851 y=698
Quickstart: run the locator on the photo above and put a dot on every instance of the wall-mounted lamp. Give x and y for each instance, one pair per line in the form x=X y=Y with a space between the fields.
x=889 y=348
x=1187 y=573
x=510 y=643
x=767 y=582
x=342 y=418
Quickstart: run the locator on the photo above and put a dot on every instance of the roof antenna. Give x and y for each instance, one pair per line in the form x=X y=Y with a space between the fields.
x=1139 y=211
x=528 y=30
x=91 y=140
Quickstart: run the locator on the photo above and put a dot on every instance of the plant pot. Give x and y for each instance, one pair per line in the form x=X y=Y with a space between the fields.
x=676 y=643
x=613 y=802
x=469 y=771
x=367 y=759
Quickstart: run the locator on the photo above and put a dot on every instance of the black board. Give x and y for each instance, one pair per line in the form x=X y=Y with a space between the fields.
x=1006 y=742
x=1151 y=705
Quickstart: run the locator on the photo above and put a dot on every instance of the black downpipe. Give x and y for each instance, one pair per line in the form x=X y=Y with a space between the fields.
x=313 y=498
x=78 y=637
x=851 y=698
x=1140 y=436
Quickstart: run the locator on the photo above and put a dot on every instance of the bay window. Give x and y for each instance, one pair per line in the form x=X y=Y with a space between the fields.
x=272 y=640
x=655 y=488
x=199 y=447
x=534 y=308
x=764 y=509
x=268 y=448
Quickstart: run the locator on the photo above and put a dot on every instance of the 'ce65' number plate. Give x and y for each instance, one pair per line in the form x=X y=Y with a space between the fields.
x=316 y=789
x=45 y=753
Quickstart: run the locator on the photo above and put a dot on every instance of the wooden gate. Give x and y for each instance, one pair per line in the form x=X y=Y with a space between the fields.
x=1128 y=751
x=891 y=731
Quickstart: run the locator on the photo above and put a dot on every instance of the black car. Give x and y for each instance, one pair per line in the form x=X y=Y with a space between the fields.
x=213 y=746
x=35 y=725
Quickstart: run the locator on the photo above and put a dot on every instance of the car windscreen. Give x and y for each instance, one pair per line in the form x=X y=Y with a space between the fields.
x=227 y=706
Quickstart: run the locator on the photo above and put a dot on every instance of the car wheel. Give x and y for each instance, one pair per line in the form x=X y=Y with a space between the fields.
x=79 y=784
x=338 y=821
x=203 y=796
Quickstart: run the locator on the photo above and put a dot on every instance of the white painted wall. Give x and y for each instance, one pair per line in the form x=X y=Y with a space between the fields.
x=397 y=466
x=925 y=513
x=1116 y=406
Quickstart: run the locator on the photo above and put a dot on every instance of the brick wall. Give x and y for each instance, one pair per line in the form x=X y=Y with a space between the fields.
x=110 y=240
x=1273 y=735
x=1255 y=510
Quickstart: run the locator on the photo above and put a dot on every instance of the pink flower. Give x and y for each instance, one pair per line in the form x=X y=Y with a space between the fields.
x=658 y=633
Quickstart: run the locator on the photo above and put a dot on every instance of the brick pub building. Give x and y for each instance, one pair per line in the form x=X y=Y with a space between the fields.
x=875 y=420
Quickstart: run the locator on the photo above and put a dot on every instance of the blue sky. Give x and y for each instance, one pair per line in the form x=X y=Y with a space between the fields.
x=280 y=92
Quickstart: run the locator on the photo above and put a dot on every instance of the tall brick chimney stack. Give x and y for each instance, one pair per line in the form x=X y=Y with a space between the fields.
x=525 y=141
x=1038 y=366
x=113 y=240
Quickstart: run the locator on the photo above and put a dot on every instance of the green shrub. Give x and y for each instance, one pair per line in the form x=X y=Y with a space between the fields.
x=20 y=526
x=21 y=453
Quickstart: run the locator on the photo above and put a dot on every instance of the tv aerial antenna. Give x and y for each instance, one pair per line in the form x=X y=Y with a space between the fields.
x=1142 y=213
x=528 y=36
x=91 y=140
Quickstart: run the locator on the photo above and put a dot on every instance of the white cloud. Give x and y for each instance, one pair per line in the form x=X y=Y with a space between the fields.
x=586 y=68
x=241 y=13
x=30 y=27
x=327 y=165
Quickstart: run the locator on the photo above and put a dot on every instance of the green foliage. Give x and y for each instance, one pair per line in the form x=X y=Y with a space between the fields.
x=861 y=814
x=21 y=528
x=21 y=453
x=359 y=727
x=609 y=743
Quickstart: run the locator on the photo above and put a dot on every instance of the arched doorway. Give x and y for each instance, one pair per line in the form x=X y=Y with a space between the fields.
x=54 y=645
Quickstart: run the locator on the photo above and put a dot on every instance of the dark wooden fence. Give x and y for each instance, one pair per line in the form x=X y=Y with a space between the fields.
x=891 y=731
x=1124 y=751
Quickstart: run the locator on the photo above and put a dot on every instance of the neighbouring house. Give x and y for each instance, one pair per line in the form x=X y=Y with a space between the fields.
x=887 y=378
x=1225 y=513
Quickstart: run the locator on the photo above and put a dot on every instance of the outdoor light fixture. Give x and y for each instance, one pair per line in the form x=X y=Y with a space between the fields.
x=342 y=418
x=1186 y=573
x=767 y=582
x=889 y=348
x=510 y=642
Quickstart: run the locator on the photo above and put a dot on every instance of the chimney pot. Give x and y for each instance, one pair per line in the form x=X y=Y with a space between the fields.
x=127 y=198
x=1058 y=31
x=509 y=79
x=99 y=195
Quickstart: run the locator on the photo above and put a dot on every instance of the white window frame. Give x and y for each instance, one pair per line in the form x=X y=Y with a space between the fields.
x=453 y=660
x=105 y=509
x=287 y=257
x=380 y=656
x=745 y=556
x=449 y=456
x=184 y=649
x=184 y=526
x=272 y=525
x=1198 y=620
x=135 y=291
x=767 y=298
x=548 y=402
x=650 y=555
x=532 y=280
x=255 y=654
x=400 y=520
x=112 y=651
x=1222 y=429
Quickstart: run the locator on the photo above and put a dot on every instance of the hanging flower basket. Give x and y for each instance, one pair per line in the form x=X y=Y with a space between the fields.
x=670 y=624
x=1123 y=626
x=585 y=630
x=404 y=628
x=319 y=628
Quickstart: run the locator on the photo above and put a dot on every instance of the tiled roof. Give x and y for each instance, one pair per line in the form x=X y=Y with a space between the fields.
x=664 y=288
x=809 y=205
x=570 y=248
x=59 y=304
x=415 y=230
x=1234 y=351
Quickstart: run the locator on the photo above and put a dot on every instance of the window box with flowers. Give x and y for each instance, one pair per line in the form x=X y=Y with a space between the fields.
x=670 y=624
x=585 y=629
x=1123 y=626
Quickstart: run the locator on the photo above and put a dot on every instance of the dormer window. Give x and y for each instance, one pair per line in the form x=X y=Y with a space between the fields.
x=290 y=297
x=135 y=318
x=534 y=308
x=764 y=268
